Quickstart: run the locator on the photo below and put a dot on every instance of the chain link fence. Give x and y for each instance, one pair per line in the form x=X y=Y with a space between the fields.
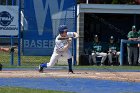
x=5 y=55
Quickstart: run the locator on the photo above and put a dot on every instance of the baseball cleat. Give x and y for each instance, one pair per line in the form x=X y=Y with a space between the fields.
x=70 y=72
x=40 y=68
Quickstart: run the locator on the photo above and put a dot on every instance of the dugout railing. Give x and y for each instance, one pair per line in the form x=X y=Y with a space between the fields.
x=123 y=42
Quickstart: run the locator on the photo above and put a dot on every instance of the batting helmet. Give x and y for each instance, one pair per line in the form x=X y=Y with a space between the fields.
x=62 y=28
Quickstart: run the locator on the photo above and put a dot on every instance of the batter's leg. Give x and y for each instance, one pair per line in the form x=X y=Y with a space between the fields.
x=69 y=57
x=70 y=65
x=53 y=60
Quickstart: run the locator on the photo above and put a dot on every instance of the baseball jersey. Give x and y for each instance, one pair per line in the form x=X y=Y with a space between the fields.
x=132 y=34
x=59 y=44
x=97 y=47
x=113 y=47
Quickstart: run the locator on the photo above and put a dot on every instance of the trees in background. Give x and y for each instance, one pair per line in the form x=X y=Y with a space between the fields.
x=4 y=2
x=110 y=1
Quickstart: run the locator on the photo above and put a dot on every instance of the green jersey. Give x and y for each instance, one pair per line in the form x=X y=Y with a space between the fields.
x=133 y=34
x=114 y=47
x=97 y=47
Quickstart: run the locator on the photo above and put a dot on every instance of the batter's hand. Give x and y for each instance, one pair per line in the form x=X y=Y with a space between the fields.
x=75 y=35
x=69 y=40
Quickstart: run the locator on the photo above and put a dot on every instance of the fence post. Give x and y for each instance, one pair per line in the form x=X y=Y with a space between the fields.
x=121 y=53
x=19 y=36
x=75 y=28
x=12 y=52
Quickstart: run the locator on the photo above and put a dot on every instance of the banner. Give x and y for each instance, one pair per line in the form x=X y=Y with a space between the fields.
x=8 y=20
x=43 y=18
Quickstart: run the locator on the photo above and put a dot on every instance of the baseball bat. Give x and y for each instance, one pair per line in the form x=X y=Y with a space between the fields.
x=64 y=38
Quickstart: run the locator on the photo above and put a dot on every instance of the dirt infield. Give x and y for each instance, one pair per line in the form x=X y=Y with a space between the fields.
x=116 y=76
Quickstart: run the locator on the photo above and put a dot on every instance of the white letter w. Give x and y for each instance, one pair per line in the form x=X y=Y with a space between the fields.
x=41 y=12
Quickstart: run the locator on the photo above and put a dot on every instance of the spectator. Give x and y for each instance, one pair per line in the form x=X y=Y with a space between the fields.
x=114 y=50
x=132 y=49
x=98 y=50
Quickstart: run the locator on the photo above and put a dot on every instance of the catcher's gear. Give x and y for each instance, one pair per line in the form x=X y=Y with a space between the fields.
x=0 y=67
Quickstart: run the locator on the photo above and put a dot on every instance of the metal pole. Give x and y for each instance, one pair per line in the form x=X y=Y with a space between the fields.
x=12 y=53
x=19 y=28
x=6 y=2
x=121 y=53
x=12 y=2
x=75 y=28
x=86 y=1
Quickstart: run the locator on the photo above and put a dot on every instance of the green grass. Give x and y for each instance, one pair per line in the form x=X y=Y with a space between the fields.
x=110 y=67
x=87 y=67
x=34 y=61
x=26 y=61
x=27 y=90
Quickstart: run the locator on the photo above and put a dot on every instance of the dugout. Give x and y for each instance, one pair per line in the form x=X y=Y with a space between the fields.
x=106 y=20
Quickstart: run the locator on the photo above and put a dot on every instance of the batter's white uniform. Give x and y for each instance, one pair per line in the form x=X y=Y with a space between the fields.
x=58 y=49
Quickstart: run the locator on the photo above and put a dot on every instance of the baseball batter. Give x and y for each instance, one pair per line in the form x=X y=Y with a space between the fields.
x=62 y=44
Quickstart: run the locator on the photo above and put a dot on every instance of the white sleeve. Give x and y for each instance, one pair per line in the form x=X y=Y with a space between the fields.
x=70 y=34
x=59 y=45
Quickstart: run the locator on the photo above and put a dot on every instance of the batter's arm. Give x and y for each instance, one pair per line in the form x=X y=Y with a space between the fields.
x=66 y=47
x=74 y=35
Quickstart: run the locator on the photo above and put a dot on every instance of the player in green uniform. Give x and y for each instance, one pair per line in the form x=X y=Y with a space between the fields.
x=114 y=50
x=132 y=49
x=98 y=50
